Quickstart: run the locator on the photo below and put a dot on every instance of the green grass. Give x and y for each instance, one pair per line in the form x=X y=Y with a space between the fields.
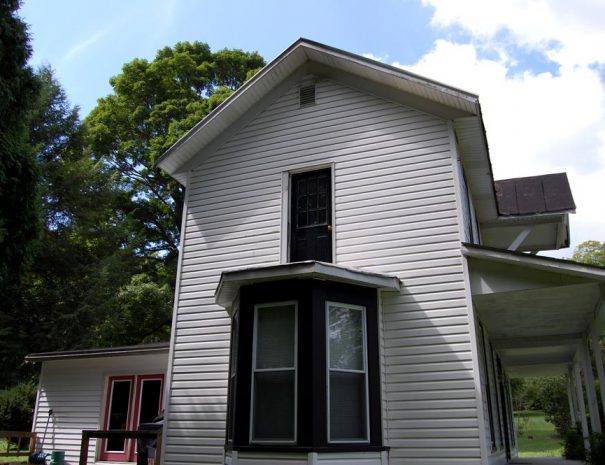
x=11 y=459
x=537 y=437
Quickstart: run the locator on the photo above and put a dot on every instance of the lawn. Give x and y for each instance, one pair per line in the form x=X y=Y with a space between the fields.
x=11 y=459
x=537 y=437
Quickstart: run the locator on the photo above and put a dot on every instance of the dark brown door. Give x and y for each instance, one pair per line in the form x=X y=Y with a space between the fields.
x=311 y=217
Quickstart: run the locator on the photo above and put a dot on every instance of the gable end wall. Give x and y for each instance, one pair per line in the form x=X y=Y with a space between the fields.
x=395 y=212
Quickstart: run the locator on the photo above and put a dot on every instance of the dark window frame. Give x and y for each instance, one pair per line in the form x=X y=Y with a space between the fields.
x=312 y=429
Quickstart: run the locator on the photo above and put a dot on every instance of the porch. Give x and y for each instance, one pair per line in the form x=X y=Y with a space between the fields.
x=545 y=461
x=543 y=317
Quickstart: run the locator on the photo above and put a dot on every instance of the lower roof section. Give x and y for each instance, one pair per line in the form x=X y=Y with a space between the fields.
x=537 y=310
x=141 y=349
x=232 y=280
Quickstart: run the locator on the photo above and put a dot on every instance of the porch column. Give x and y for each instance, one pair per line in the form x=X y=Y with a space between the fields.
x=571 y=397
x=598 y=359
x=581 y=405
x=591 y=393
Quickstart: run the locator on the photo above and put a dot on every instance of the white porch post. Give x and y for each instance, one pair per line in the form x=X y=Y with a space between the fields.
x=596 y=348
x=591 y=393
x=571 y=398
x=581 y=407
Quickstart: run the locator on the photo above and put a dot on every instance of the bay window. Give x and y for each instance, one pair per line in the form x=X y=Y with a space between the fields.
x=304 y=372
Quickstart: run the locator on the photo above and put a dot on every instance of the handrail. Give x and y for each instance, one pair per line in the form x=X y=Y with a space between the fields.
x=87 y=434
x=17 y=450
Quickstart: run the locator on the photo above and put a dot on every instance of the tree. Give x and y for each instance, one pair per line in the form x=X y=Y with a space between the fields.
x=152 y=106
x=590 y=252
x=18 y=175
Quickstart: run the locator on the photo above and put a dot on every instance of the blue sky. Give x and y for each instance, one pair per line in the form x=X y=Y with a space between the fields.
x=537 y=65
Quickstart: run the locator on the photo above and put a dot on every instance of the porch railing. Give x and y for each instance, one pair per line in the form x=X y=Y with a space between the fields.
x=122 y=434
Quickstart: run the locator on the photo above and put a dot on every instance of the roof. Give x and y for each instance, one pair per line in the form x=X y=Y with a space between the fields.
x=549 y=193
x=558 y=265
x=231 y=281
x=141 y=349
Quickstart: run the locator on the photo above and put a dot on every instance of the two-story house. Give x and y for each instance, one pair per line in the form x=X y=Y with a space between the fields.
x=353 y=286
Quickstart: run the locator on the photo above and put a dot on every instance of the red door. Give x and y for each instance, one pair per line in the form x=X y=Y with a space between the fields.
x=131 y=400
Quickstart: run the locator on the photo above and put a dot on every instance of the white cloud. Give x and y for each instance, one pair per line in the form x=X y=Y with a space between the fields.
x=83 y=45
x=381 y=58
x=536 y=122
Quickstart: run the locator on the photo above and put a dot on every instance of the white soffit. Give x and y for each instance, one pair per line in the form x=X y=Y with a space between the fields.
x=231 y=281
x=300 y=53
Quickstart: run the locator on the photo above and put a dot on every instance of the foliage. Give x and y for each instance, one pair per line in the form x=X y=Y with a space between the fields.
x=590 y=252
x=596 y=454
x=84 y=205
x=16 y=407
x=153 y=104
x=573 y=443
x=548 y=394
x=18 y=175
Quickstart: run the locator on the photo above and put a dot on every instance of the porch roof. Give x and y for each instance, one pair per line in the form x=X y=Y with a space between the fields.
x=536 y=309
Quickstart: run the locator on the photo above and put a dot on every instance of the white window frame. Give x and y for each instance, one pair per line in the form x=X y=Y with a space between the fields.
x=364 y=371
x=293 y=303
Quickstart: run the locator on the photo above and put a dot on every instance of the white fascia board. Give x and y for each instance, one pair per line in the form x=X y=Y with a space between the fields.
x=554 y=265
x=231 y=281
x=101 y=352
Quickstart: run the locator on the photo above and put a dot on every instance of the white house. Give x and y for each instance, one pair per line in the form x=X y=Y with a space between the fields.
x=353 y=286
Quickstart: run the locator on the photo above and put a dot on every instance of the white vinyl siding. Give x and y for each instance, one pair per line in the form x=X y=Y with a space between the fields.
x=75 y=391
x=395 y=212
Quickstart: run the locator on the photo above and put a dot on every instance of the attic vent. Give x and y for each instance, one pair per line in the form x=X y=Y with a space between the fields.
x=306 y=95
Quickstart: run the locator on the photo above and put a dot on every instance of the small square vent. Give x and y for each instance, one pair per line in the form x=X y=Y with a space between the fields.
x=306 y=95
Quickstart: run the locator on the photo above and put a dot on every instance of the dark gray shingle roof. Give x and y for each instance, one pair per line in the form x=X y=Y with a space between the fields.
x=549 y=193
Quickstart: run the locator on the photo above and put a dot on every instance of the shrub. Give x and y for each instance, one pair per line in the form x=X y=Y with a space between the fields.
x=574 y=443
x=17 y=406
x=596 y=454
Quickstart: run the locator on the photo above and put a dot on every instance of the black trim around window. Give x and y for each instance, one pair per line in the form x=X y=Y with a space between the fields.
x=311 y=404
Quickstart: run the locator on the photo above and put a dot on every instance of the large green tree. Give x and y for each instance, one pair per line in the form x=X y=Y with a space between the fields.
x=18 y=174
x=153 y=104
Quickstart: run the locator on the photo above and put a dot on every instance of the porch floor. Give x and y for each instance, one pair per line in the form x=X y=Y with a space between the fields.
x=545 y=461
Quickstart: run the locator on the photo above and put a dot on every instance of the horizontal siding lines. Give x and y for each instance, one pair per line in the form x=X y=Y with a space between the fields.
x=389 y=212
x=395 y=241
x=400 y=202
x=358 y=141
x=402 y=176
x=413 y=226
x=325 y=121
x=363 y=192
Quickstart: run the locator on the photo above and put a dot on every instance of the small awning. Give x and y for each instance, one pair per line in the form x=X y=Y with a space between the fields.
x=536 y=309
x=231 y=281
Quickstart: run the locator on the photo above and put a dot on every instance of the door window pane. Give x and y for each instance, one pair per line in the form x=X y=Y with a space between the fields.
x=118 y=412
x=151 y=394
